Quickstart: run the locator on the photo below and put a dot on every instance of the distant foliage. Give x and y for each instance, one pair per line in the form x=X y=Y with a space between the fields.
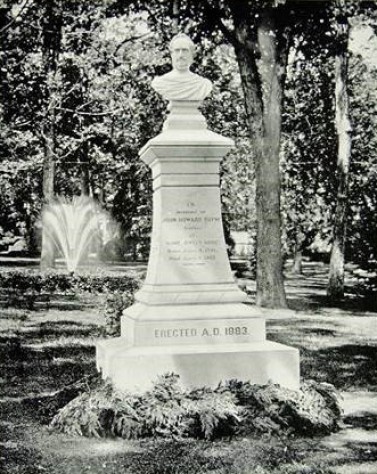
x=168 y=411
x=362 y=220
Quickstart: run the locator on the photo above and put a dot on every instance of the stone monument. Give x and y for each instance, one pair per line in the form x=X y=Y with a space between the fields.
x=190 y=317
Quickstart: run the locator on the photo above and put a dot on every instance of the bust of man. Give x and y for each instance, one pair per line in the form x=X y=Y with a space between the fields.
x=181 y=83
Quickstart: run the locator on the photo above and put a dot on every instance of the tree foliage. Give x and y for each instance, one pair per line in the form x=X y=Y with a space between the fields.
x=98 y=86
x=104 y=110
x=309 y=151
x=309 y=144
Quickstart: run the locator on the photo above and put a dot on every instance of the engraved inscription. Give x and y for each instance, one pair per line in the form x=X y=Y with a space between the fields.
x=192 y=249
x=236 y=331
x=167 y=333
x=203 y=332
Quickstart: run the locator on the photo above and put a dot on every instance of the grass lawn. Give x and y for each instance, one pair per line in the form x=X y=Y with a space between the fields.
x=41 y=352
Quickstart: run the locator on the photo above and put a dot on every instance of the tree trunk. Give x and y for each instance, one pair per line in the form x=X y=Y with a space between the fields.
x=47 y=251
x=84 y=164
x=297 y=258
x=84 y=121
x=51 y=32
x=85 y=178
x=335 y=289
x=270 y=284
x=175 y=16
x=262 y=87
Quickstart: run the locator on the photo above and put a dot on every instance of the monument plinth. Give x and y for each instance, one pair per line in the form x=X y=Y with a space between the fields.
x=190 y=317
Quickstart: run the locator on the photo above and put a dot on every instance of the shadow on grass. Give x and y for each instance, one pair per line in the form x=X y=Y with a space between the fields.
x=44 y=379
x=173 y=457
x=53 y=330
x=192 y=457
x=20 y=459
x=351 y=303
x=316 y=331
x=365 y=420
x=13 y=351
x=362 y=451
x=347 y=366
x=29 y=370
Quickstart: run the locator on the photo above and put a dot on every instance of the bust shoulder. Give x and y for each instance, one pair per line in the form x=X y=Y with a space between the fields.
x=182 y=86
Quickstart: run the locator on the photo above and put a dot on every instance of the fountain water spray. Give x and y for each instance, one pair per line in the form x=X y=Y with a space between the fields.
x=71 y=226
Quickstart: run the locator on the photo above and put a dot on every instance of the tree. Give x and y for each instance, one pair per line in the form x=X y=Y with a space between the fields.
x=263 y=85
x=309 y=142
x=362 y=223
x=51 y=44
x=85 y=105
x=104 y=110
x=335 y=289
x=342 y=14
x=21 y=98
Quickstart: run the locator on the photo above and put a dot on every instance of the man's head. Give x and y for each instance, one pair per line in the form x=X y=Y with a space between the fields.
x=182 y=51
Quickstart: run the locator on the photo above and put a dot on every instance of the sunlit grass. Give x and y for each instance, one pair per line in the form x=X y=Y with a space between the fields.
x=337 y=345
x=64 y=342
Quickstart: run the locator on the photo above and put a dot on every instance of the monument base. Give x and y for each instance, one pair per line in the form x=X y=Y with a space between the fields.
x=134 y=369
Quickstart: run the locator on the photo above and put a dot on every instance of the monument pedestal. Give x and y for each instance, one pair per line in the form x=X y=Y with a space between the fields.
x=190 y=317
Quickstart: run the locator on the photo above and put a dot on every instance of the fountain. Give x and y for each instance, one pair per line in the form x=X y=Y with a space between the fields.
x=71 y=226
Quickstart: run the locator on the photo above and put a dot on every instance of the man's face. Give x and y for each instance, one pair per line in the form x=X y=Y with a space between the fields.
x=181 y=55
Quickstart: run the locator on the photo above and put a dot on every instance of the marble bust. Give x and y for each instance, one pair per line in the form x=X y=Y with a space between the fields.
x=181 y=83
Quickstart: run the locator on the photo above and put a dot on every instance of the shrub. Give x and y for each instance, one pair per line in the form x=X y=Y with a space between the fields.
x=203 y=413
x=115 y=304
x=314 y=409
x=25 y=288
x=99 y=413
x=168 y=411
x=165 y=411
x=36 y=282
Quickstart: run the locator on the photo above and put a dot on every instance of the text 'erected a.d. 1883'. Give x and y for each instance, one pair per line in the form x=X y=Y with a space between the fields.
x=204 y=332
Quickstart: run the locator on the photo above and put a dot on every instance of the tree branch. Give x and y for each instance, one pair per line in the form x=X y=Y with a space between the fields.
x=128 y=40
x=214 y=16
x=6 y=27
x=97 y=114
